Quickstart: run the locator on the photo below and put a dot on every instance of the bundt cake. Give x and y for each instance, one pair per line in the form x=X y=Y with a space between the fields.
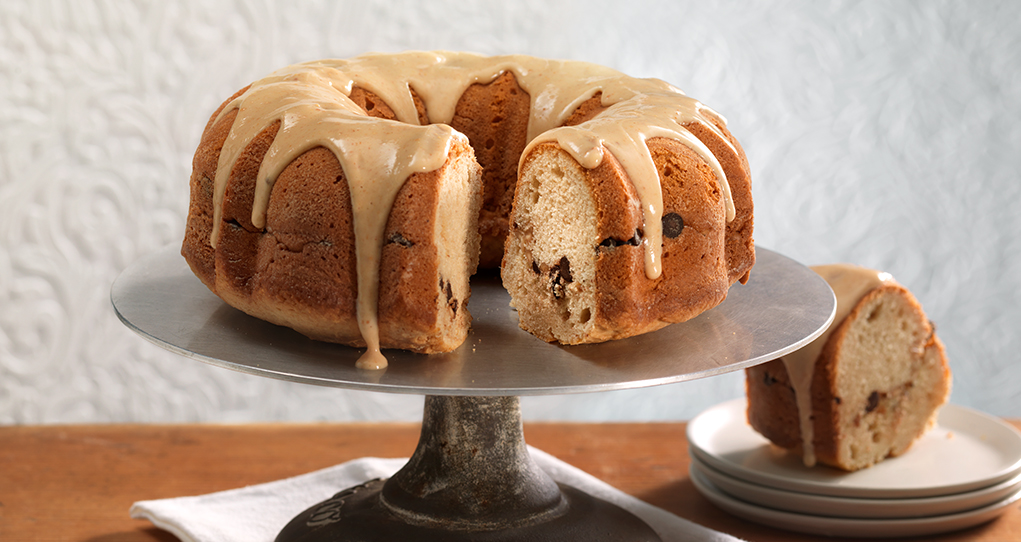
x=352 y=199
x=863 y=391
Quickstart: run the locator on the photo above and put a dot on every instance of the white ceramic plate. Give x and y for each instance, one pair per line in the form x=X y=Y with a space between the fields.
x=847 y=527
x=966 y=451
x=850 y=507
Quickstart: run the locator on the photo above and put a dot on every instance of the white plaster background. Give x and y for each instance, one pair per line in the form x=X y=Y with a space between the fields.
x=882 y=133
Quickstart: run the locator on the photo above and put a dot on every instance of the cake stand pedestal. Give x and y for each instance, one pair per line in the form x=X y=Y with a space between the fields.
x=471 y=477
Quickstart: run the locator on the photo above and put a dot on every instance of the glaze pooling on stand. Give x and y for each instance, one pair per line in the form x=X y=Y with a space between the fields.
x=313 y=105
x=849 y=283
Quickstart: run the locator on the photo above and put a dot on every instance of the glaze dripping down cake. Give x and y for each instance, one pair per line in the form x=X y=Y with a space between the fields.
x=352 y=200
x=863 y=391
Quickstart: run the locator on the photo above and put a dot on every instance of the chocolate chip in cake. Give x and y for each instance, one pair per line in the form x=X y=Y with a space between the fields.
x=873 y=402
x=560 y=275
x=449 y=293
x=611 y=242
x=399 y=239
x=564 y=268
x=672 y=225
x=557 y=288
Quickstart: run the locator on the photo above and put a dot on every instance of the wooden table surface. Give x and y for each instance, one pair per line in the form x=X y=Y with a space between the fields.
x=78 y=482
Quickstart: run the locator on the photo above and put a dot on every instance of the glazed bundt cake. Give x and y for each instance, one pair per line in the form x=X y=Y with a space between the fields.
x=863 y=391
x=353 y=199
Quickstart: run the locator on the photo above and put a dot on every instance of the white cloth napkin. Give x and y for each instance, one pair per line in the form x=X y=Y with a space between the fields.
x=257 y=513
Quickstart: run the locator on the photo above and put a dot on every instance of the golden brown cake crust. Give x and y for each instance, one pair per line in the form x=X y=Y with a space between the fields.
x=196 y=248
x=775 y=412
x=740 y=255
x=299 y=271
x=694 y=275
x=494 y=116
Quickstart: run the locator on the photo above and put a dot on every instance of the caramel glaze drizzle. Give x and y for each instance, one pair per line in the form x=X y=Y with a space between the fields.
x=311 y=101
x=849 y=283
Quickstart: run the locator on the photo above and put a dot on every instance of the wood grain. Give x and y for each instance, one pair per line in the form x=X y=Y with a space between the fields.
x=78 y=482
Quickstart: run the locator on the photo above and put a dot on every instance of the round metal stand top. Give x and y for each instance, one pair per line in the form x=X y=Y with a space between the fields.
x=782 y=307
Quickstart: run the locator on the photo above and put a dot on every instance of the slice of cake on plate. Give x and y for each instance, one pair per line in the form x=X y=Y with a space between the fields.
x=864 y=390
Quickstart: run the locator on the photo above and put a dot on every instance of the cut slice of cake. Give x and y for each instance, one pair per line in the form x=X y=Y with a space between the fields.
x=863 y=391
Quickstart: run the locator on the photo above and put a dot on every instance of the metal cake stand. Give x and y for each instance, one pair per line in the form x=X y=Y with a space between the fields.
x=471 y=477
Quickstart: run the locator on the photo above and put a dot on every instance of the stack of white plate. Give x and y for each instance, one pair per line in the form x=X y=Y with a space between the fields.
x=963 y=472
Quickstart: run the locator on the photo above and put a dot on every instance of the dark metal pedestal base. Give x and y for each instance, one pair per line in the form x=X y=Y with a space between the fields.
x=357 y=514
x=471 y=478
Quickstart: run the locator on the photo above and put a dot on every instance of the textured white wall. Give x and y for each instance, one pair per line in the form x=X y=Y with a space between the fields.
x=885 y=134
